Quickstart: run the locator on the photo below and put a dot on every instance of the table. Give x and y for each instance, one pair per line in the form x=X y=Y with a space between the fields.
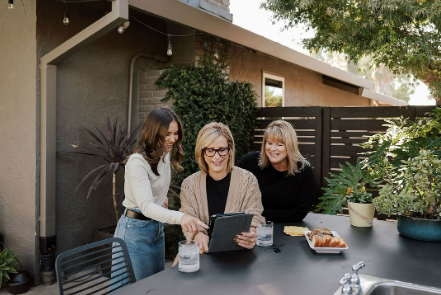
x=297 y=269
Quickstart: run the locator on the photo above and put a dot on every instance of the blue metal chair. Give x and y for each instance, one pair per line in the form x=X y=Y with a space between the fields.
x=87 y=269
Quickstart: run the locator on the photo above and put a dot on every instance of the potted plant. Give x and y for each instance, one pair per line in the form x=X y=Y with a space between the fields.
x=348 y=189
x=8 y=264
x=113 y=145
x=406 y=160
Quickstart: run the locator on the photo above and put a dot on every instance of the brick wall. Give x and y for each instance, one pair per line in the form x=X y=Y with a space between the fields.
x=199 y=50
x=224 y=4
x=149 y=95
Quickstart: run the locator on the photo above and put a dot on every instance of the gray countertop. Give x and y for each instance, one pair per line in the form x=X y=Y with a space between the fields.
x=297 y=269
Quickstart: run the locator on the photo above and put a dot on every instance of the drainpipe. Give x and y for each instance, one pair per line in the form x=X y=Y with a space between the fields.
x=48 y=70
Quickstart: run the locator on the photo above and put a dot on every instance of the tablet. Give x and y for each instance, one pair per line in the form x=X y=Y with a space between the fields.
x=224 y=227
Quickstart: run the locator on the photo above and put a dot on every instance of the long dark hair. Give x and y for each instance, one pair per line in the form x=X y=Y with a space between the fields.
x=152 y=139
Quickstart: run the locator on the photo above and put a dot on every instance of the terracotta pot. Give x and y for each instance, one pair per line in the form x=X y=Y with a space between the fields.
x=19 y=283
x=361 y=215
x=420 y=228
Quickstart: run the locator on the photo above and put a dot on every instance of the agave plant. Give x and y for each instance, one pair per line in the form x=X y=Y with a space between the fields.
x=8 y=263
x=350 y=184
x=113 y=145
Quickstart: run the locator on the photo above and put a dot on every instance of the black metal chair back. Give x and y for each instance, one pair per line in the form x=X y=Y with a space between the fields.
x=88 y=269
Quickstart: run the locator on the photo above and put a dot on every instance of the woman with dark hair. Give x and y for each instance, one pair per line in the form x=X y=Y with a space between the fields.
x=146 y=183
x=286 y=180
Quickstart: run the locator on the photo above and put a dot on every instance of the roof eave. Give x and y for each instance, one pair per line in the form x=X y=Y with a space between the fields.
x=205 y=22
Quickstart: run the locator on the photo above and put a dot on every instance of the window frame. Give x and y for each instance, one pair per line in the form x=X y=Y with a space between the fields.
x=274 y=77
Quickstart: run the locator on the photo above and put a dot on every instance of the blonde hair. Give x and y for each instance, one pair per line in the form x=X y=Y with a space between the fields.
x=283 y=132
x=206 y=136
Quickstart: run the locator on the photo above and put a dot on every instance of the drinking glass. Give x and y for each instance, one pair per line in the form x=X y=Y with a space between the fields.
x=188 y=256
x=265 y=234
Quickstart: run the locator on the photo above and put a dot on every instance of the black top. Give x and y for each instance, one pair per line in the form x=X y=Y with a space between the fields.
x=217 y=193
x=284 y=198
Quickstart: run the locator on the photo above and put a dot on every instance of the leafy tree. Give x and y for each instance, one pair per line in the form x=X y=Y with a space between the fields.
x=385 y=82
x=404 y=35
x=272 y=99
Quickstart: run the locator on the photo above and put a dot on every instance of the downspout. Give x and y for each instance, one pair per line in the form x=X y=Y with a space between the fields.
x=48 y=70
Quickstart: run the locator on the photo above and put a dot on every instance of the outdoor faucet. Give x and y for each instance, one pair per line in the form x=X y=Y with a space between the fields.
x=350 y=284
x=346 y=288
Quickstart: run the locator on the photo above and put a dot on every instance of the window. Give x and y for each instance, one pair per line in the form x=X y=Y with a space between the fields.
x=273 y=91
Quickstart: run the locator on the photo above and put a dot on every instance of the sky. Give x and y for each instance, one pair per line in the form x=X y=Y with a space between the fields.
x=248 y=15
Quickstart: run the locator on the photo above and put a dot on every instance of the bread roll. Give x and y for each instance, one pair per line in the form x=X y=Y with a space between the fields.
x=317 y=241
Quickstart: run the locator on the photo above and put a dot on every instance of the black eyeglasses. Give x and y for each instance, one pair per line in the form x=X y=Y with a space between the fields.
x=209 y=152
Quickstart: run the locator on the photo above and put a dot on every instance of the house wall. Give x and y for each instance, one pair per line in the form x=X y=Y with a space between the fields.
x=91 y=85
x=19 y=131
x=303 y=87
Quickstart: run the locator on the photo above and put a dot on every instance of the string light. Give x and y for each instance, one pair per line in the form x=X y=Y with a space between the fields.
x=66 y=18
x=216 y=54
x=10 y=4
x=169 y=47
x=123 y=27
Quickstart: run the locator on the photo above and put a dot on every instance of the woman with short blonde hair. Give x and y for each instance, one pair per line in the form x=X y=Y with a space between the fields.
x=220 y=187
x=207 y=135
x=286 y=180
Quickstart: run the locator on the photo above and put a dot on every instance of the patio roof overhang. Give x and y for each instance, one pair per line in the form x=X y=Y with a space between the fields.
x=204 y=21
x=383 y=98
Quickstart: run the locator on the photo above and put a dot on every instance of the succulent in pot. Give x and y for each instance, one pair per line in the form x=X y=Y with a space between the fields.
x=8 y=265
x=348 y=189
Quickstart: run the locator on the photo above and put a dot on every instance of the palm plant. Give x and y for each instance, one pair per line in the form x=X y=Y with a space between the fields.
x=113 y=145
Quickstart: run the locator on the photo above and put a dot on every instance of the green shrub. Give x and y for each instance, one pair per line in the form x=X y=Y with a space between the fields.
x=202 y=95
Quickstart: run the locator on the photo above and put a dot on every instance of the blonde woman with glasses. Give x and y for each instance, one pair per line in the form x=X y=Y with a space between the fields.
x=286 y=180
x=220 y=187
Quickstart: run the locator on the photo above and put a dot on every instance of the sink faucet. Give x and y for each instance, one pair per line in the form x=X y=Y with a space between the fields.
x=350 y=284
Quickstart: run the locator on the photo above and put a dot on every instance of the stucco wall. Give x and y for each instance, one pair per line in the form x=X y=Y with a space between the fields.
x=91 y=85
x=18 y=130
x=303 y=87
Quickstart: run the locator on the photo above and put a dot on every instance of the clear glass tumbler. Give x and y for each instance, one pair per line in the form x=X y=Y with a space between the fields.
x=265 y=234
x=188 y=256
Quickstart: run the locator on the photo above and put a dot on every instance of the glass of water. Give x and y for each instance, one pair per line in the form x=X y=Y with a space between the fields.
x=188 y=256
x=265 y=234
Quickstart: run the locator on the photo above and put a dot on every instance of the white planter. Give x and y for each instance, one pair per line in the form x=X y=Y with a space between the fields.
x=361 y=215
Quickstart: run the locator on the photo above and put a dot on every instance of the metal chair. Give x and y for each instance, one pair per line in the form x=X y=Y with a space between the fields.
x=87 y=269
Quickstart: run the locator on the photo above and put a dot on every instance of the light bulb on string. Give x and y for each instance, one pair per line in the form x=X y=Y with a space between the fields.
x=66 y=18
x=169 y=47
x=10 y=4
x=123 y=27
x=216 y=53
x=205 y=44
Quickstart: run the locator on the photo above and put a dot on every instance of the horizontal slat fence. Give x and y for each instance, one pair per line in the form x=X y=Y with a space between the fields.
x=330 y=136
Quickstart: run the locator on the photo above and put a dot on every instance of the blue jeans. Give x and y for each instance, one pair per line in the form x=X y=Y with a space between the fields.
x=145 y=242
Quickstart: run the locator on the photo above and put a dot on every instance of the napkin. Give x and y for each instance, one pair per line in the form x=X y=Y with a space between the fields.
x=294 y=231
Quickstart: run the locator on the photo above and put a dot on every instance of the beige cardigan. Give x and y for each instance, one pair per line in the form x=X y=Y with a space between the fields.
x=243 y=196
